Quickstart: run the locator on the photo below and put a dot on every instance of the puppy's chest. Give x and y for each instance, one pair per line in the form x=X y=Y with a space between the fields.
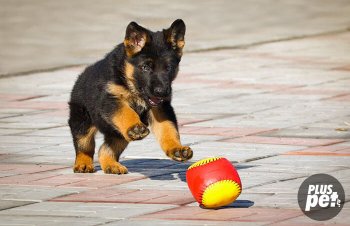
x=133 y=99
x=138 y=104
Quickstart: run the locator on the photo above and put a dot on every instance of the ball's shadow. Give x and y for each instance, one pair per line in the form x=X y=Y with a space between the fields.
x=239 y=203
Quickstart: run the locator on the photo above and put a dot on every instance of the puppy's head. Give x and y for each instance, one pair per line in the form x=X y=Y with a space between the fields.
x=153 y=58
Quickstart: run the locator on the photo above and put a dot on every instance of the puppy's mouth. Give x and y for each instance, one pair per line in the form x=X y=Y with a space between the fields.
x=155 y=101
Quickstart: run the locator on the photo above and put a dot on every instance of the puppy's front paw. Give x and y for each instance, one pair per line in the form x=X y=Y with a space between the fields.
x=137 y=132
x=180 y=154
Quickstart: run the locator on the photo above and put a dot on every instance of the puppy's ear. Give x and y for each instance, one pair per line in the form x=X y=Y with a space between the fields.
x=135 y=39
x=175 y=36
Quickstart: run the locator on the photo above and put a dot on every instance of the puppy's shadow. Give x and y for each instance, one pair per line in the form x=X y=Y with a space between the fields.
x=164 y=169
x=158 y=169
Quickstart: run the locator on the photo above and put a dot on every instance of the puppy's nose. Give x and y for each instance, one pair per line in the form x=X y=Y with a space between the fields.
x=160 y=91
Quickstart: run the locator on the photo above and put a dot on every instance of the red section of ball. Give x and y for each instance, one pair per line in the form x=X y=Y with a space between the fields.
x=200 y=177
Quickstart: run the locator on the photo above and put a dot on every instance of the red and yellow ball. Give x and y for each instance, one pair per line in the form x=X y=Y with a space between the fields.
x=214 y=182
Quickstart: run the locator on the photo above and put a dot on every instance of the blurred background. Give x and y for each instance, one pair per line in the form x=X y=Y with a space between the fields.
x=47 y=34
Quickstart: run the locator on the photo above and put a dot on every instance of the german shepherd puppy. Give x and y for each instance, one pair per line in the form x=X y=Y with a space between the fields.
x=124 y=93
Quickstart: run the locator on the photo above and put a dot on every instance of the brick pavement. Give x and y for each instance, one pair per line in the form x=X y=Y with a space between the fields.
x=280 y=112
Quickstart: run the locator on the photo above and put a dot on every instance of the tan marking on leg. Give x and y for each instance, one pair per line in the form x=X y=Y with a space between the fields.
x=109 y=157
x=168 y=137
x=164 y=130
x=85 y=141
x=85 y=153
x=124 y=118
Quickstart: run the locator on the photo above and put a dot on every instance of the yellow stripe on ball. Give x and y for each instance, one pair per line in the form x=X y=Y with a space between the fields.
x=203 y=162
x=220 y=193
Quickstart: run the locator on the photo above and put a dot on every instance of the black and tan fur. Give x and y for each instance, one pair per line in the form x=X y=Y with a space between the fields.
x=124 y=93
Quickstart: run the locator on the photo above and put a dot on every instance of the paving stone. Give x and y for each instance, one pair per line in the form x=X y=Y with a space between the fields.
x=344 y=144
x=285 y=141
x=332 y=124
x=59 y=179
x=35 y=140
x=12 y=148
x=341 y=98
x=239 y=152
x=341 y=219
x=173 y=181
x=148 y=222
x=39 y=117
x=258 y=215
x=277 y=185
x=85 y=210
x=309 y=132
x=38 y=105
x=222 y=131
x=62 y=131
x=41 y=83
x=308 y=164
x=33 y=193
x=27 y=169
x=323 y=150
x=8 y=204
x=191 y=139
x=120 y=195
x=322 y=92
x=24 y=179
x=4 y=132
x=65 y=149
x=291 y=177
x=51 y=220
x=16 y=111
x=279 y=200
x=275 y=117
x=52 y=159
x=277 y=179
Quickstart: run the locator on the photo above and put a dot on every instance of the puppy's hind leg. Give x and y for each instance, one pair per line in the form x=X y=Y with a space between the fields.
x=83 y=133
x=109 y=154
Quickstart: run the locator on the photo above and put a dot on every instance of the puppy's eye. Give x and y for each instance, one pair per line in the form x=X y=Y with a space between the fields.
x=146 y=68
x=169 y=68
